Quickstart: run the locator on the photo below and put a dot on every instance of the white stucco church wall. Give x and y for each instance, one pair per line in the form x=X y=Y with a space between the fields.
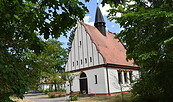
x=88 y=61
x=114 y=80
x=83 y=52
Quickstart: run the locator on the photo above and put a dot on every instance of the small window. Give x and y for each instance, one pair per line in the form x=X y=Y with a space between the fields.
x=130 y=76
x=77 y=62
x=125 y=77
x=90 y=59
x=85 y=60
x=81 y=61
x=73 y=64
x=95 y=79
x=80 y=43
x=120 y=77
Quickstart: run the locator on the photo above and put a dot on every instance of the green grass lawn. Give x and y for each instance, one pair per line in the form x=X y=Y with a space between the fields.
x=20 y=100
x=116 y=98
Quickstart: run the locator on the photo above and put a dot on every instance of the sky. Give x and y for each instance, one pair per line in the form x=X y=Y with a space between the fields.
x=90 y=18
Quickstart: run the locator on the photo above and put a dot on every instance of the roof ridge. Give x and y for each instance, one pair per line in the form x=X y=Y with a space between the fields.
x=111 y=49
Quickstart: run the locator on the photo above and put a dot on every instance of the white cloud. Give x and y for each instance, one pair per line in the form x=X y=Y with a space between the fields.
x=113 y=26
x=107 y=29
x=131 y=2
x=118 y=14
x=104 y=9
x=86 y=20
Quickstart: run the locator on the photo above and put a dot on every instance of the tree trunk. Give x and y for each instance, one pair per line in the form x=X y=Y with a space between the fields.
x=70 y=92
x=122 y=97
x=55 y=87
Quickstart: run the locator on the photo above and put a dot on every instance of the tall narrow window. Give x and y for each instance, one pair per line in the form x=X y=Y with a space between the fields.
x=90 y=59
x=85 y=60
x=120 y=77
x=77 y=62
x=73 y=64
x=125 y=77
x=81 y=61
x=95 y=79
x=80 y=43
x=130 y=76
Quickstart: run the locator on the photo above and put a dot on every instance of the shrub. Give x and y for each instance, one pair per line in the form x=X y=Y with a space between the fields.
x=51 y=95
x=61 y=89
x=61 y=95
x=46 y=92
x=73 y=97
x=41 y=91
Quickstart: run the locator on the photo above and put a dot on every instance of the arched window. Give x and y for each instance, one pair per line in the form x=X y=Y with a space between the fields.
x=83 y=75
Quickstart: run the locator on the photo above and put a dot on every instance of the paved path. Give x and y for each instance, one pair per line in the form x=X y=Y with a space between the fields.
x=40 y=99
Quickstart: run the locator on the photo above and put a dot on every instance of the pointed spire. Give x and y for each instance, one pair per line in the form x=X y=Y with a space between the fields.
x=99 y=22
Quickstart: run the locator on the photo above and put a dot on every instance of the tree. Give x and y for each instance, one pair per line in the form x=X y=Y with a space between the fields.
x=52 y=57
x=148 y=38
x=49 y=63
x=55 y=79
x=113 y=2
x=69 y=78
x=19 y=20
x=71 y=37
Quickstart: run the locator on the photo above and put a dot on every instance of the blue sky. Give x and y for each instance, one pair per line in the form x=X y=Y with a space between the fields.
x=90 y=18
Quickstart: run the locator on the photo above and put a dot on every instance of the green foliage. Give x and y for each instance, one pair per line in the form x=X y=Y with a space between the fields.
x=19 y=20
x=51 y=95
x=69 y=77
x=46 y=17
x=46 y=92
x=54 y=95
x=60 y=95
x=53 y=56
x=49 y=63
x=73 y=97
x=113 y=2
x=71 y=37
x=147 y=35
x=14 y=75
x=61 y=90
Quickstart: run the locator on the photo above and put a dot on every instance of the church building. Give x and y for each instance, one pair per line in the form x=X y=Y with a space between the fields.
x=99 y=60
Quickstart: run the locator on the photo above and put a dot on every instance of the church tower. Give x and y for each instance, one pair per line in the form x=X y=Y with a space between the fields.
x=99 y=22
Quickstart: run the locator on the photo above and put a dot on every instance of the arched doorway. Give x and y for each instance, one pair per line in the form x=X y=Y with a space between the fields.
x=83 y=83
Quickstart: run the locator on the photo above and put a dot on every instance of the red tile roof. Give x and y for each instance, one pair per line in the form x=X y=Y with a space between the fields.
x=111 y=49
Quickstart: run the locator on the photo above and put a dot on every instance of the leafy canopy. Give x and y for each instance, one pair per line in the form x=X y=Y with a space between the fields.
x=20 y=21
x=148 y=38
x=49 y=64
